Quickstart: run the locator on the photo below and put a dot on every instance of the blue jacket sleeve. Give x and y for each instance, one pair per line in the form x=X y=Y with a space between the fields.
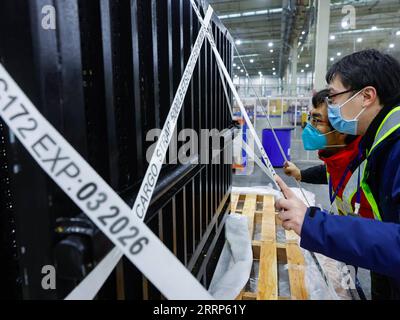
x=366 y=243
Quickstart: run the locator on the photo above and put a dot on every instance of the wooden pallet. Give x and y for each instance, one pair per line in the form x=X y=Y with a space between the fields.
x=267 y=252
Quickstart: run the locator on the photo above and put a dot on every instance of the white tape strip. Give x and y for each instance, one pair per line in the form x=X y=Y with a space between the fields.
x=146 y=190
x=93 y=282
x=89 y=287
x=94 y=196
x=237 y=97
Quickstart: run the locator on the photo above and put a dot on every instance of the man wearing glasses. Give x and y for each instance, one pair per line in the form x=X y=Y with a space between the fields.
x=364 y=99
x=340 y=154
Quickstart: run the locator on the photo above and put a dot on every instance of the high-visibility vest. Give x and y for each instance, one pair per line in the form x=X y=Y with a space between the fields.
x=389 y=125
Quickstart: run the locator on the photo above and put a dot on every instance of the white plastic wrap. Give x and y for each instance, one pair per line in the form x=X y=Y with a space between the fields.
x=234 y=265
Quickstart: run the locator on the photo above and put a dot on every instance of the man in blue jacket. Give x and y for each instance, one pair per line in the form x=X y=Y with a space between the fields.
x=364 y=100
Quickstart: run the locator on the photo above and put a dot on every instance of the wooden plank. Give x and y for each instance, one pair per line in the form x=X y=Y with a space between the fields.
x=269 y=253
x=268 y=273
x=296 y=269
x=234 y=201
x=249 y=296
x=268 y=227
x=249 y=208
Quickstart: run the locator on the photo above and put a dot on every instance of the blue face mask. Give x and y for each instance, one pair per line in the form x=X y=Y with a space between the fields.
x=313 y=139
x=338 y=122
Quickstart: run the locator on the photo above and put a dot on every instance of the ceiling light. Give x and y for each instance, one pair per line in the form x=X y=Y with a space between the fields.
x=238 y=68
x=339 y=54
x=332 y=58
x=332 y=37
x=270 y=44
x=238 y=42
x=345 y=25
x=398 y=33
x=307 y=65
x=391 y=45
x=251 y=60
x=273 y=69
x=242 y=71
x=303 y=32
x=234 y=64
x=274 y=73
x=374 y=28
x=359 y=40
x=272 y=50
x=302 y=70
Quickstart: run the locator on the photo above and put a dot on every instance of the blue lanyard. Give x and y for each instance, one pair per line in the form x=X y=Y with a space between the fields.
x=333 y=196
x=358 y=196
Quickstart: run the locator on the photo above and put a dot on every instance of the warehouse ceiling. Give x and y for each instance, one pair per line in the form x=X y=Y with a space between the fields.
x=265 y=30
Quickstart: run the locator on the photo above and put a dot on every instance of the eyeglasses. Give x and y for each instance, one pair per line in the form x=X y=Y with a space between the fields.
x=315 y=121
x=329 y=98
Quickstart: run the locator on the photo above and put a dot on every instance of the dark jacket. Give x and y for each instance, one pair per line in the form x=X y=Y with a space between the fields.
x=366 y=243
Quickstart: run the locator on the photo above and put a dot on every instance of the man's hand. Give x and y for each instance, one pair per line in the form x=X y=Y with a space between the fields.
x=291 y=170
x=292 y=209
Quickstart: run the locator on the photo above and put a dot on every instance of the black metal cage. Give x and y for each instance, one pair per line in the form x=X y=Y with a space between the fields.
x=104 y=77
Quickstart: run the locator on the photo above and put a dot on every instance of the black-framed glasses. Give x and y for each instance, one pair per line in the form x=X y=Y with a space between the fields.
x=329 y=98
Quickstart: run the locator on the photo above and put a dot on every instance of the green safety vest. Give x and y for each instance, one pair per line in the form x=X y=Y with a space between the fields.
x=344 y=203
x=389 y=125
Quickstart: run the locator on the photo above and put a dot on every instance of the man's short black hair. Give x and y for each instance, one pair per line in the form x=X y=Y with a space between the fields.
x=319 y=97
x=370 y=68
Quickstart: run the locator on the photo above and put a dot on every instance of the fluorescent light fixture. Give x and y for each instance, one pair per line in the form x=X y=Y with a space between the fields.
x=374 y=28
x=250 y=13
x=234 y=15
x=247 y=55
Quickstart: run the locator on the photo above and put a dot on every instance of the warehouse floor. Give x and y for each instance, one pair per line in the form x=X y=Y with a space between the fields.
x=258 y=178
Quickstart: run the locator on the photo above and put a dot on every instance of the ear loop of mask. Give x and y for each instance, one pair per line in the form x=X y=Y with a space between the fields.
x=333 y=145
x=348 y=100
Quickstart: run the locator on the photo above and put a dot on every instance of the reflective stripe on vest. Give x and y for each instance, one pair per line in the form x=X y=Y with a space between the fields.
x=343 y=204
x=389 y=125
x=352 y=186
